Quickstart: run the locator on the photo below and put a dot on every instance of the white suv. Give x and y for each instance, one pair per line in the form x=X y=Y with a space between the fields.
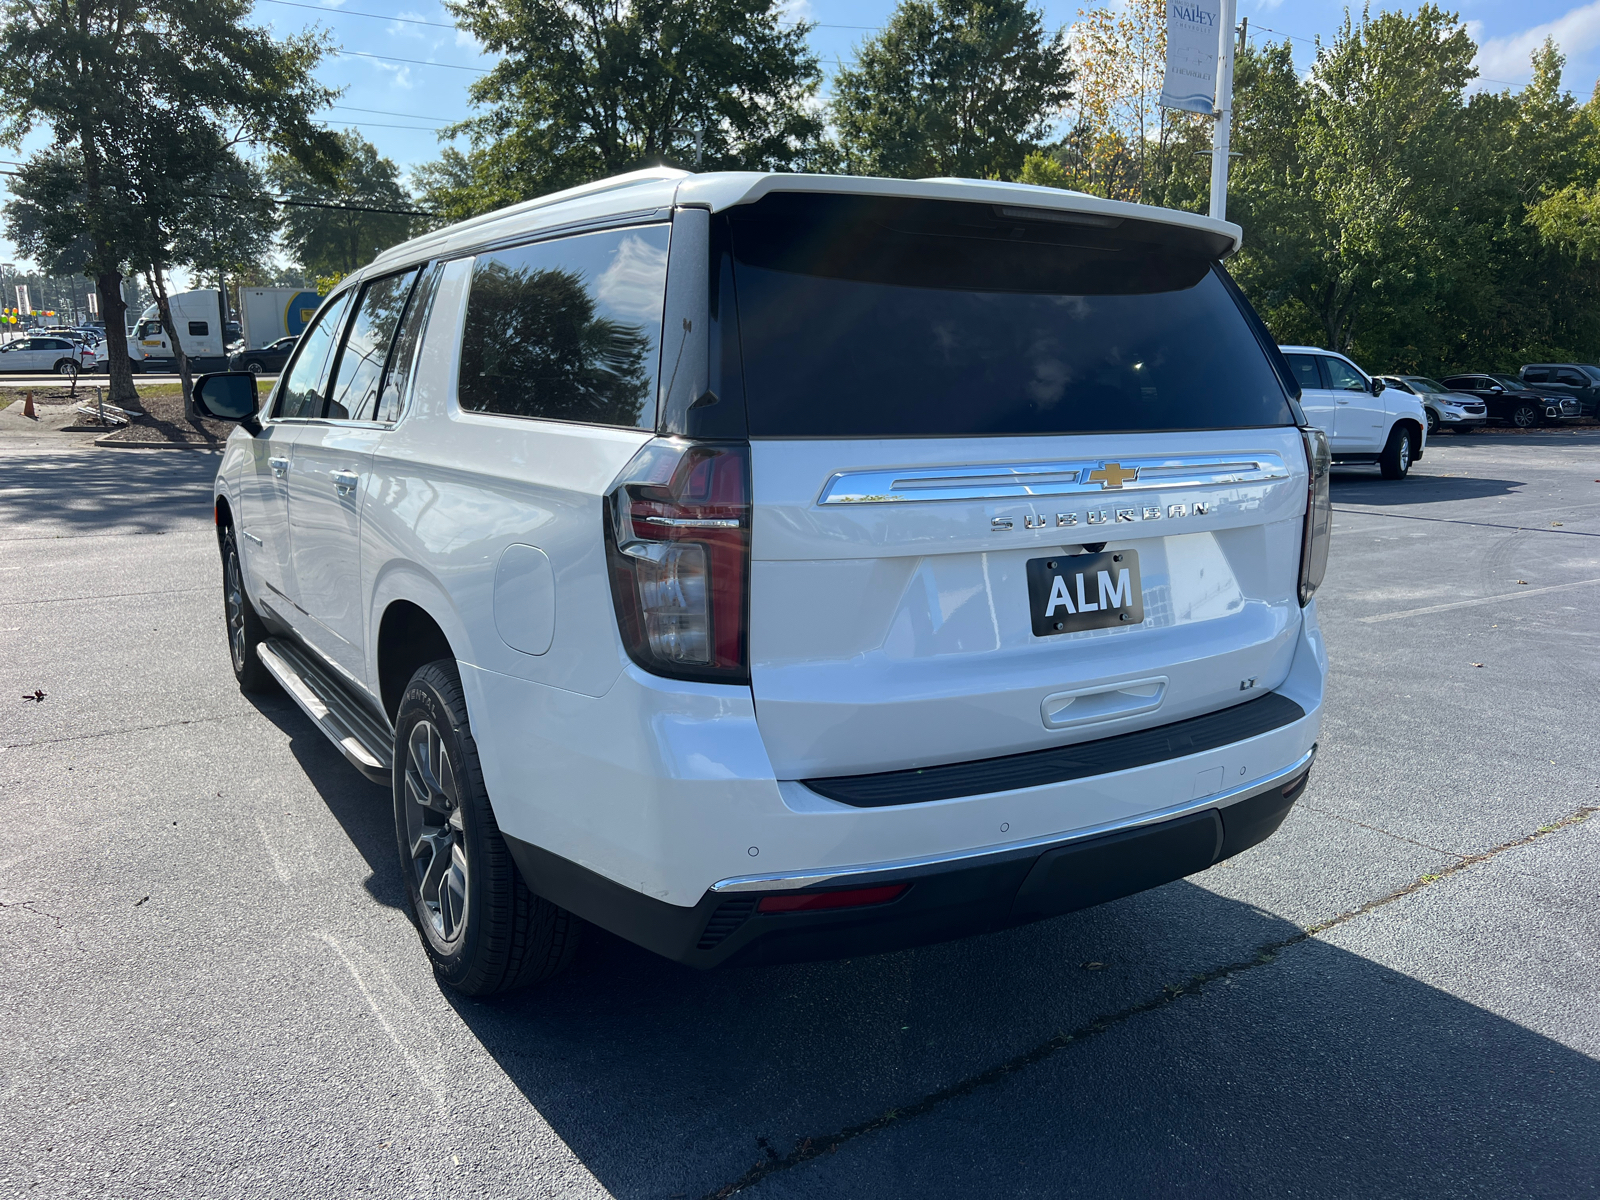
x=771 y=567
x=1365 y=420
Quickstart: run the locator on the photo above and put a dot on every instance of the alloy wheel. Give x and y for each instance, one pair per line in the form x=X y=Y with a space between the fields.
x=434 y=832
x=1525 y=417
x=1405 y=453
x=233 y=599
x=69 y=369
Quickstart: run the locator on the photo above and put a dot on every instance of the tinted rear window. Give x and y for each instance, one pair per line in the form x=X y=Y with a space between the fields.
x=871 y=318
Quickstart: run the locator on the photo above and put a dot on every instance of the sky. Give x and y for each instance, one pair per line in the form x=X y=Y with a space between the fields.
x=404 y=68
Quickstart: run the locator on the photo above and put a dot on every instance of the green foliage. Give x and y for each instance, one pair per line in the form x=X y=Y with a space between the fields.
x=590 y=88
x=952 y=87
x=337 y=240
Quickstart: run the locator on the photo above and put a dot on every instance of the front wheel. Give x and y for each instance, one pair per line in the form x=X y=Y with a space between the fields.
x=1433 y=423
x=1395 y=460
x=245 y=630
x=483 y=929
x=1526 y=416
x=254 y=367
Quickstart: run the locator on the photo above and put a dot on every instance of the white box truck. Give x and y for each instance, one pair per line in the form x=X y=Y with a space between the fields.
x=267 y=314
x=198 y=318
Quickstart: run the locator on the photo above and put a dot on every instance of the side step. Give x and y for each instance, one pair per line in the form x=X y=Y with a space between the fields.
x=344 y=720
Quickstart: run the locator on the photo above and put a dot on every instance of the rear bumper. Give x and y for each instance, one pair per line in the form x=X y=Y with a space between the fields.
x=944 y=898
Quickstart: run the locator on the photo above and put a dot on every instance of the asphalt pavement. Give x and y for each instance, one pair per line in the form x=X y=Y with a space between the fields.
x=211 y=988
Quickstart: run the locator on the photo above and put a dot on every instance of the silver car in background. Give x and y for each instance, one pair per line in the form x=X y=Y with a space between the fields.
x=1456 y=411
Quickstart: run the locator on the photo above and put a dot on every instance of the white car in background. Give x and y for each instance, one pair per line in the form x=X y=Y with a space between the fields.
x=1458 y=412
x=1366 y=421
x=41 y=355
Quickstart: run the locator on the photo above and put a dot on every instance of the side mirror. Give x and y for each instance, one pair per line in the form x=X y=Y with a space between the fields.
x=229 y=396
x=1377 y=386
x=1495 y=387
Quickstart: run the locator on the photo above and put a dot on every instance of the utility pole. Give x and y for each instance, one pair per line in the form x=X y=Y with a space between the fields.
x=1224 y=126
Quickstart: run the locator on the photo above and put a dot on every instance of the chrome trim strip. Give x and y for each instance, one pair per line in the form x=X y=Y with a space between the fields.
x=784 y=883
x=1020 y=481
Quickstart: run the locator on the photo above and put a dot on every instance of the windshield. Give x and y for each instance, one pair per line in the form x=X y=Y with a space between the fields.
x=1508 y=381
x=865 y=318
x=1423 y=384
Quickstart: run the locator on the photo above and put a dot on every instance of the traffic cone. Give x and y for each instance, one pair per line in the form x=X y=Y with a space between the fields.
x=27 y=408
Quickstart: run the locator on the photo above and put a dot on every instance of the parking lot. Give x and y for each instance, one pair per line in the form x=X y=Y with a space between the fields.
x=212 y=988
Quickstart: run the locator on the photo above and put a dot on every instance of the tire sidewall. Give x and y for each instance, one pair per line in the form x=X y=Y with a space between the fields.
x=423 y=700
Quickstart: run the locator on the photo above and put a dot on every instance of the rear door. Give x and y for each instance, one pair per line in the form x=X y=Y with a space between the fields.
x=1315 y=399
x=332 y=466
x=1014 y=485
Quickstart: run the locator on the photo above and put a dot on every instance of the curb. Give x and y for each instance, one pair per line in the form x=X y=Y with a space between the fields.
x=124 y=444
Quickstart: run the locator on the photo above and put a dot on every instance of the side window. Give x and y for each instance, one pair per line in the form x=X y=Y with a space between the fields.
x=1342 y=377
x=1305 y=370
x=301 y=393
x=199 y=329
x=150 y=329
x=1536 y=375
x=353 y=391
x=567 y=330
x=403 y=358
x=1571 y=379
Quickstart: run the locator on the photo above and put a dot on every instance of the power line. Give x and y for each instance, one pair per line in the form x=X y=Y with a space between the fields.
x=421 y=62
x=350 y=12
x=286 y=202
x=384 y=112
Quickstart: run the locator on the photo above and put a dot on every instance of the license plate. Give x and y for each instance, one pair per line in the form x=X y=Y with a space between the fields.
x=1071 y=592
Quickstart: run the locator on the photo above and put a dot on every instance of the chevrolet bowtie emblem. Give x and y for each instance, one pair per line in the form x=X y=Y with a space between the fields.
x=1113 y=475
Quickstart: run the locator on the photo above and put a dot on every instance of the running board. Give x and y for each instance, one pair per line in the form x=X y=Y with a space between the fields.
x=342 y=719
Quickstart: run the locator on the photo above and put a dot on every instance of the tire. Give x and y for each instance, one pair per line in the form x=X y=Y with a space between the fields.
x=68 y=368
x=484 y=931
x=1433 y=423
x=245 y=630
x=1526 y=415
x=254 y=367
x=1395 y=461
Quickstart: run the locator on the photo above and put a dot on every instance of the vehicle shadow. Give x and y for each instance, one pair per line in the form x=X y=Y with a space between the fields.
x=363 y=809
x=1359 y=485
x=100 y=491
x=1312 y=1072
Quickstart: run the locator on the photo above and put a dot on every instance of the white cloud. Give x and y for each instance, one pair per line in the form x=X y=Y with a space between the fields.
x=1506 y=58
x=406 y=30
x=1267 y=5
x=399 y=73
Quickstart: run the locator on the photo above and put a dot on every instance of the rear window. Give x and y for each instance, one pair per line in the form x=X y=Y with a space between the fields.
x=870 y=318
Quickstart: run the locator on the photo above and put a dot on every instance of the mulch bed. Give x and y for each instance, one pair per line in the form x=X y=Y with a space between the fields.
x=163 y=421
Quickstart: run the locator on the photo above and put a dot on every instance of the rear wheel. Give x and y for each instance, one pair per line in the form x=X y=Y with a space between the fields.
x=1526 y=415
x=481 y=926
x=68 y=368
x=254 y=367
x=245 y=630
x=1395 y=460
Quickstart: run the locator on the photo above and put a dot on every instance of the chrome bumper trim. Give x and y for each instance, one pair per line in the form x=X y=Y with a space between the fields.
x=789 y=882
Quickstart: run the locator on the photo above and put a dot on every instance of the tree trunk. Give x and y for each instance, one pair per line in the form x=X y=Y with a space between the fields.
x=158 y=285
x=113 y=311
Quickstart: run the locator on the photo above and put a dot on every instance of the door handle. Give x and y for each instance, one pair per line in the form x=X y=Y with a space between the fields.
x=280 y=466
x=344 y=482
x=1341 y=402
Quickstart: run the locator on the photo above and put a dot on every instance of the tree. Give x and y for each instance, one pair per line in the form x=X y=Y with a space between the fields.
x=347 y=218
x=589 y=88
x=99 y=73
x=952 y=87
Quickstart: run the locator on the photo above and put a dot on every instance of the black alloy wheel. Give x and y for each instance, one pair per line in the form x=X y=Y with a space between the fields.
x=254 y=366
x=482 y=927
x=1526 y=415
x=245 y=630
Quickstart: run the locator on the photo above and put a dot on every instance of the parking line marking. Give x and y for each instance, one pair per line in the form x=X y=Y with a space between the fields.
x=1517 y=595
x=272 y=853
x=372 y=1003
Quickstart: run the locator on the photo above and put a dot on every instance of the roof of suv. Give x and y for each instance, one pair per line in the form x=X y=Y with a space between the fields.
x=640 y=193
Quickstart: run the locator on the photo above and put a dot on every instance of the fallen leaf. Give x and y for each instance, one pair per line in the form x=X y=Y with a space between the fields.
x=1094 y=966
x=136 y=903
x=1523 y=581
x=1557 y=522
x=37 y=697
x=1477 y=664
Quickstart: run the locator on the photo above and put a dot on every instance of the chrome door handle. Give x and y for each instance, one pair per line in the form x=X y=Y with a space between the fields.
x=280 y=466
x=344 y=482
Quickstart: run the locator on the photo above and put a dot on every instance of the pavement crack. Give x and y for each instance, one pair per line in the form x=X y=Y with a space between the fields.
x=113 y=596
x=1399 y=837
x=1268 y=952
x=86 y=737
x=27 y=906
x=1393 y=516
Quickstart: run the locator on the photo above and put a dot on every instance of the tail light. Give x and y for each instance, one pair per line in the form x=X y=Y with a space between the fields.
x=678 y=545
x=1319 y=515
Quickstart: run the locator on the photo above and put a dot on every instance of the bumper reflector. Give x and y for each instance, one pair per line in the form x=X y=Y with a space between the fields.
x=810 y=901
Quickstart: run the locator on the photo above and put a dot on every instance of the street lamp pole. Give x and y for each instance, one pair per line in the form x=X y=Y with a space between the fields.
x=1223 y=129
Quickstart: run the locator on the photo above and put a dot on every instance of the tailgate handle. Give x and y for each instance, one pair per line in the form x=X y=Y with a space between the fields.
x=1108 y=702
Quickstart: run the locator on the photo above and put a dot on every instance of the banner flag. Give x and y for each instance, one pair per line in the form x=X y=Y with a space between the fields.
x=22 y=297
x=1191 y=79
